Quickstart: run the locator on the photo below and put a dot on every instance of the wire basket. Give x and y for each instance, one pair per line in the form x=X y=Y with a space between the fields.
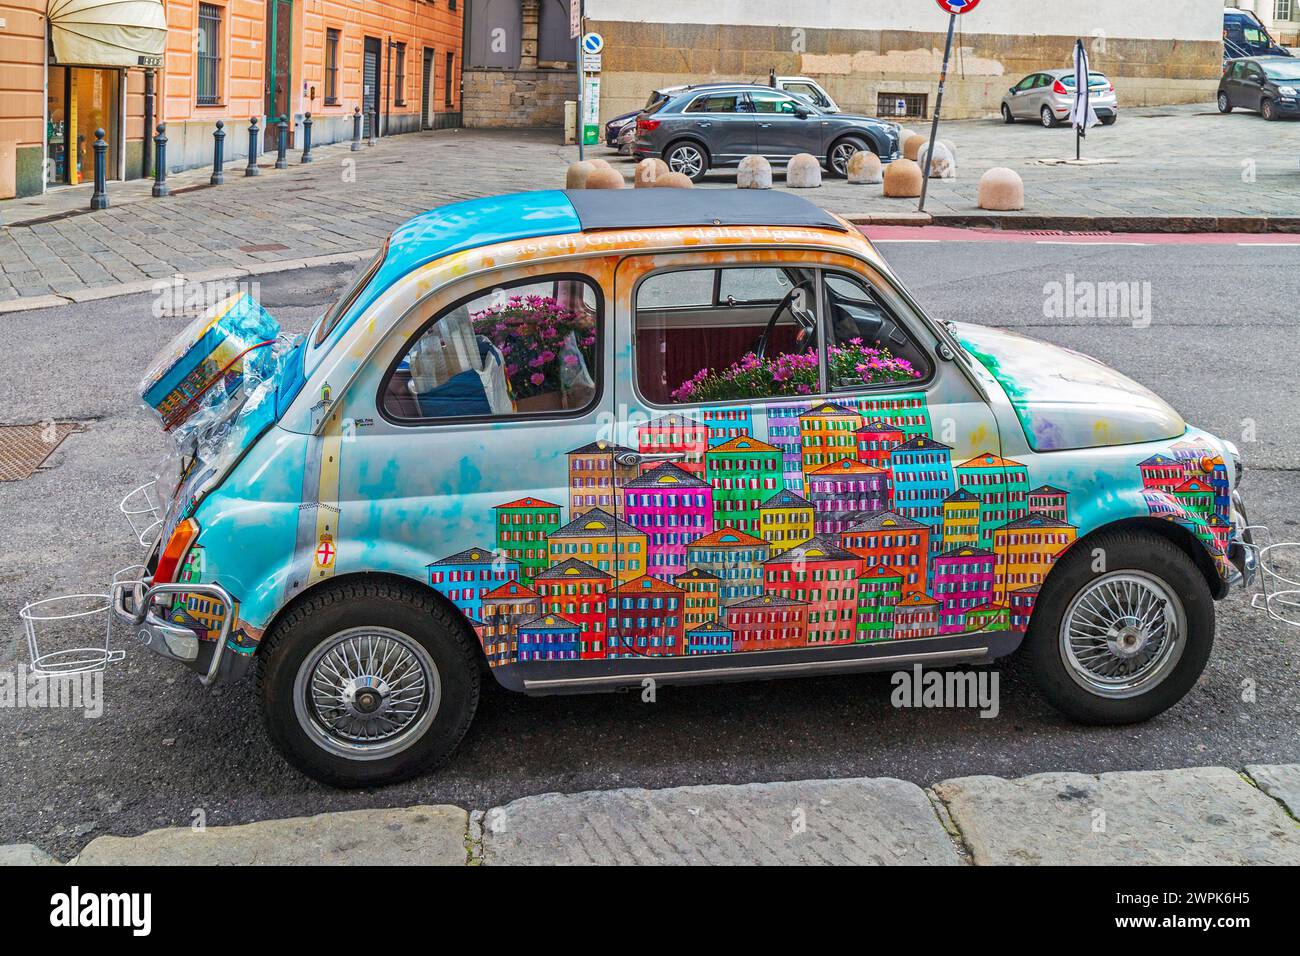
x=144 y=512
x=63 y=634
x=1279 y=575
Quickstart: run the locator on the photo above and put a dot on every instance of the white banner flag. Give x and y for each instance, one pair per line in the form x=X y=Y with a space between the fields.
x=1082 y=116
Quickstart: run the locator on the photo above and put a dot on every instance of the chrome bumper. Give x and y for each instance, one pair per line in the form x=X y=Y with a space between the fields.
x=133 y=606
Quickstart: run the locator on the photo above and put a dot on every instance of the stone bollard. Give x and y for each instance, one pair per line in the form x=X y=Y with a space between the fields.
x=913 y=145
x=218 y=155
x=864 y=167
x=252 y=169
x=306 y=156
x=648 y=172
x=160 y=163
x=902 y=180
x=374 y=127
x=804 y=172
x=1001 y=190
x=356 y=129
x=99 y=198
x=674 y=181
x=575 y=177
x=281 y=160
x=754 y=172
x=605 y=178
x=943 y=166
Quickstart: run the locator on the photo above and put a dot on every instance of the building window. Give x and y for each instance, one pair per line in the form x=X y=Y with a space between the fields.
x=1283 y=10
x=331 y=67
x=209 y=54
x=399 y=89
x=450 y=77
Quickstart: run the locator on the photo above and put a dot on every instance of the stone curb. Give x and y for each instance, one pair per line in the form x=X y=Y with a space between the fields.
x=1019 y=222
x=95 y=293
x=1195 y=816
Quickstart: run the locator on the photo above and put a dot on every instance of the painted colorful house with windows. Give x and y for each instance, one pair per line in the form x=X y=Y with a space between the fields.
x=961 y=520
x=700 y=602
x=1026 y=549
x=466 y=576
x=744 y=473
x=504 y=609
x=1162 y=473
x=725 y=424
x=989 y=617
x=785 y=520
x=1022 y=601
x=916 y=615
x=1002 y=487
x=876 y=440
x=922 y=471
x=734 y=558
x=604 y=542
x=645 y=615
x=827 y=434
x=824 y=576
x=1197 y=496
x=907 y=411
x=709 y=637
x=672 y=508
x=886 y=539
x=783 y=433
x=522 y=528
x=596 y=479
x=1050 y=501
x=768 y=623
x=548 y=637
x=674 y=435
x=577 y=591
x=879 y=590
x=963 y=579
x=843 y=489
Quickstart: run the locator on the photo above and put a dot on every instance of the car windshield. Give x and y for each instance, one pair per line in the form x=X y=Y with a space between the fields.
x=1282 y=71
x=1094 y=80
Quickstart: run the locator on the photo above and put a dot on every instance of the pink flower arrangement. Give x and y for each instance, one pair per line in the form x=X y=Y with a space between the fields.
x=538 y=338
x=794 y=374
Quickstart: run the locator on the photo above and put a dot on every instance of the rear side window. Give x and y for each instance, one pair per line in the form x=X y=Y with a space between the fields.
x=523 y=350
x=331 y=320
x=729 y=103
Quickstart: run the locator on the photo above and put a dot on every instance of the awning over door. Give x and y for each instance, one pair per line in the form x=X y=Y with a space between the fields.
x=108 y=32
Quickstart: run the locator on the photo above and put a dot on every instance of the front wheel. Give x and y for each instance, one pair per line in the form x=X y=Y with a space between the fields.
x=687 y=158
x=366 y=683
x=842 y=150
x=1122 y=631
x=1268 y=110
x=1006 y=115
x=1225 y=104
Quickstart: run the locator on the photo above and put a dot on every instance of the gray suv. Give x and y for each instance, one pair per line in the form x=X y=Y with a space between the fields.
x=706 y=127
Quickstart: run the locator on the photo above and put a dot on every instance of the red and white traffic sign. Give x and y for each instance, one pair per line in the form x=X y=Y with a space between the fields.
x=958 y=6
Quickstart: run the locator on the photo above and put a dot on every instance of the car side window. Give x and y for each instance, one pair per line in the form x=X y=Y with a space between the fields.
x=526 y=349
x=716 y=104
x=868 y=346
x=1027 y=83
x=765 y=102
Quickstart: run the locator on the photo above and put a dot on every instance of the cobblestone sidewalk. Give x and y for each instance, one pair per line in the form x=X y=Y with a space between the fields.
x=1199 y=816
x=1161 y=162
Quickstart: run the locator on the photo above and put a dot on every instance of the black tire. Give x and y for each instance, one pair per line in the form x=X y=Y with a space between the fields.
x=1006 y=115
x=842 y=145
x=1110 y=120
x=1150 y=557
x=1225 y=104
x=1047 y=117
x=331 y=610
x=1268 y=110
x=677 y=153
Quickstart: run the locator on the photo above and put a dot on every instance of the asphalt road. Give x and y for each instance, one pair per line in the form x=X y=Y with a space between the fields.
x=1222 y=345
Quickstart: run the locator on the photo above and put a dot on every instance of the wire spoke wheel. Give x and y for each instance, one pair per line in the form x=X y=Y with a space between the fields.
x=1122 y=634
x=367 y=693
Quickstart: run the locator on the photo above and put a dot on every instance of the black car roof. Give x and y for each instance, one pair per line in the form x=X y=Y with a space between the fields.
x=651 y=208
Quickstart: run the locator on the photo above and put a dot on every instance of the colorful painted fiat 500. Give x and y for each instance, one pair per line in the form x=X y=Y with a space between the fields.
x=578 y=441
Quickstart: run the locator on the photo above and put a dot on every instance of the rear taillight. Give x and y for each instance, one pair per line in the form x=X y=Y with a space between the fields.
x=647 y=125
x=178 y=545
x=1059 y=88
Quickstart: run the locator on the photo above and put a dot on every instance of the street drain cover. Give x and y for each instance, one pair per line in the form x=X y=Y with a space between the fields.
x=24 y=448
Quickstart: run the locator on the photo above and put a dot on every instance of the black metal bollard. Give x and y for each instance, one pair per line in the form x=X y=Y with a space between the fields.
x=160 y=162
x=281 y=162
x=218 y=154
x=306 y=139
x=99 y=198
x=374 y=126
x=251 y=169
x=356 y=129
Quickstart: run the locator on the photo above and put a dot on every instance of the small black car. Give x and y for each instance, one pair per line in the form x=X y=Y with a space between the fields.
x=1269 y=85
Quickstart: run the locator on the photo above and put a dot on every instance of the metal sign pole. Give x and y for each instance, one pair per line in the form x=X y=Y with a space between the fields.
x=938 y=106
x=582 y=80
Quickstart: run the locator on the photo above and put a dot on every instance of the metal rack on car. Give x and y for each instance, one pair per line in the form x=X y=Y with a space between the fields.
x=1279 y=575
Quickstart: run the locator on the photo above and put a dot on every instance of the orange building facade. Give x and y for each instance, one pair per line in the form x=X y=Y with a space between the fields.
x=229 y=60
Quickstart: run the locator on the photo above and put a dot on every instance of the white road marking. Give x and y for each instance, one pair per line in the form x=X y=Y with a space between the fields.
x=1080 y=242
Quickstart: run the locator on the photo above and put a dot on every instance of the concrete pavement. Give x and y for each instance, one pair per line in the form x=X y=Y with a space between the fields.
x=1187 y=167
x=1196 y=816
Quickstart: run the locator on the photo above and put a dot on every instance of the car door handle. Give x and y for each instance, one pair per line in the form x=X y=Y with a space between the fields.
x=764 y=125
x=704 y=125
x=630 y=458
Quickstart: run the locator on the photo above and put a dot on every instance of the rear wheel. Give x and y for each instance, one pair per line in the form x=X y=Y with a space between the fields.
x=367 y=682
x=841 y=151
x=1268 y=110
x=1006 y=115
x=1225 y=104
x=1120 y=645
x=1110 y=120
x=689 y=159
x=1047 y=116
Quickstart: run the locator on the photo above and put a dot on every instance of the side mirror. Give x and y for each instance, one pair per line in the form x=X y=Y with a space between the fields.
x=802 y=111
x=1011 y=90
